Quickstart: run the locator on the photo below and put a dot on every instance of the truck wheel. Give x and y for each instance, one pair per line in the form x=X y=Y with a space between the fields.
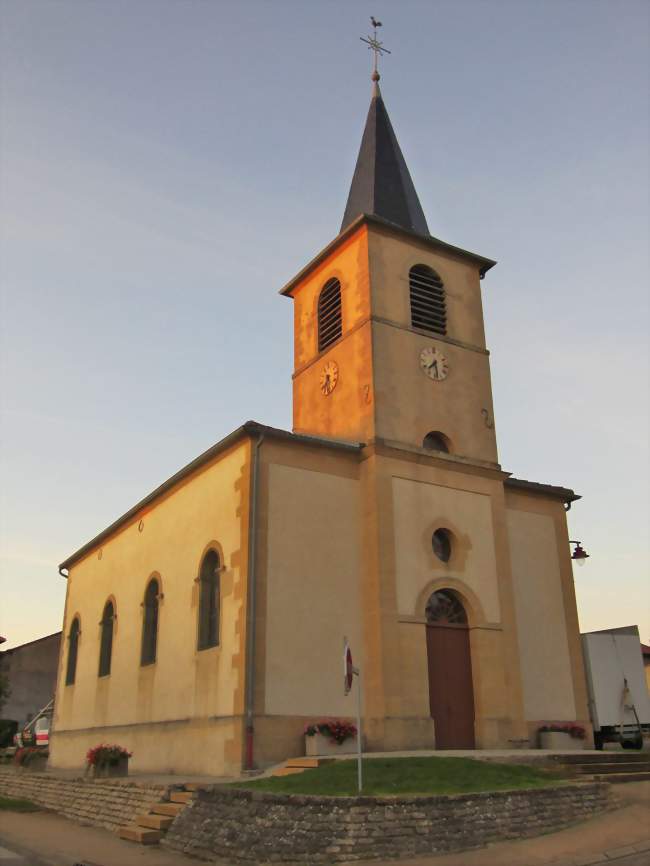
x=636 y=743
x=598 y=741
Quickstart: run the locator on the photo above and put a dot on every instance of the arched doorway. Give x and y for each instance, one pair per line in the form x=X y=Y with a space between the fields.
x=451 y=694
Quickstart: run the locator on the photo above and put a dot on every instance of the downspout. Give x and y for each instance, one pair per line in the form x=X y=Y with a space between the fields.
x=250 y=629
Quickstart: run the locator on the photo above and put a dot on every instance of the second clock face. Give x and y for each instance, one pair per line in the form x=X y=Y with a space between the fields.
x=434 y=363
x=329 y=377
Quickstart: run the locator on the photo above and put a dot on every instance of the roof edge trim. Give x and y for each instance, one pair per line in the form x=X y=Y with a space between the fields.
x=484 y=263
x=565 y=494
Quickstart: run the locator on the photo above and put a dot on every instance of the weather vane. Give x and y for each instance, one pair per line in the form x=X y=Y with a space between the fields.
x=375 y=46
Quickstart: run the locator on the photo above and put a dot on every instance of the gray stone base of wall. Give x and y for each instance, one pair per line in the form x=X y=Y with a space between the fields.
x=108 y=803
x=257 y=827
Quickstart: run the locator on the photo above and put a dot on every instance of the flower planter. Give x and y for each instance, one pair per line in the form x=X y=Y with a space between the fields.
x=321 y=745
x=111 y=769
x=560 y=741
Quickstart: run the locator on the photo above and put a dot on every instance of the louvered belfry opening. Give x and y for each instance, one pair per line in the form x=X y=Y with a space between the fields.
x=329 y=314
x=428 y=308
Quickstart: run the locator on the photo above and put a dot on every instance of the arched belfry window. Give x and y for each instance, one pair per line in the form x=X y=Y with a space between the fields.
x=150 y=623
x=329 y=314
x=106 y=639
x=436 y=441
x=209 y=600
x=73 y=649
x=428 y=307
x=444 y=607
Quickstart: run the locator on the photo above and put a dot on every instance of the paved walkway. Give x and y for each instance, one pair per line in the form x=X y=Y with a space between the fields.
x=621 y=837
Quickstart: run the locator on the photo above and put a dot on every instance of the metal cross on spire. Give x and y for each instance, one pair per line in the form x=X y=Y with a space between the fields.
x=375 y=46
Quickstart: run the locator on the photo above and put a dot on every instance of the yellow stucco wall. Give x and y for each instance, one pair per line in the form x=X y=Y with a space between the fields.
x=348 y=411
x=416 y=494
x=184 y=711
x=382 y=391
x=392 y=256
x=312 y=590
x=420 y=508
x=308 y=568
x=409 y=404
x=553 y=686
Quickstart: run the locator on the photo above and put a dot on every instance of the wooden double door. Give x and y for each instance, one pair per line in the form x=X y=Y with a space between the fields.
x=451 y=693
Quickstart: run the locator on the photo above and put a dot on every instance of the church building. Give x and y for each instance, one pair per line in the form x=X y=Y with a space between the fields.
x=204 y=628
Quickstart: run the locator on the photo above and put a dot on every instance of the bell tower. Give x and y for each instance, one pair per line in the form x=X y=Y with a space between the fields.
x=388 y=322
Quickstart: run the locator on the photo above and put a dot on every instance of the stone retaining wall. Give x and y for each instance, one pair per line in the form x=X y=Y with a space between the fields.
x=253 y=827
x=109 y=803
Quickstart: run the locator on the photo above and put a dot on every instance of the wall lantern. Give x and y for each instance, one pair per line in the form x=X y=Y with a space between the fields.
x=579 y=554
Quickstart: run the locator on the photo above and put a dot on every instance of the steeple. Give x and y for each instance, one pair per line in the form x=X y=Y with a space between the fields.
x=381 y=185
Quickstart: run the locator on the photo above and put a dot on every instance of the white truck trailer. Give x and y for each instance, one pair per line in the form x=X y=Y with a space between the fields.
x=619 y=703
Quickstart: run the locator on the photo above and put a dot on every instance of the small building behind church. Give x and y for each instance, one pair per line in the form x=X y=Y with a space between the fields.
x=204 y=628
x=31 y=671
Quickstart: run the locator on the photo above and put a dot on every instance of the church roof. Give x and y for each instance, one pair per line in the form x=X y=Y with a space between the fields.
x=249 y=428
x=381 y=185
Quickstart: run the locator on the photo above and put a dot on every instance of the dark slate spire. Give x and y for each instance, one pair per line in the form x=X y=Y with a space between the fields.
x=382 y=185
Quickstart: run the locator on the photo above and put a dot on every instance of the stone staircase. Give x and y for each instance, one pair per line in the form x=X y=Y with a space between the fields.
x=150 y=828
x=614 y=767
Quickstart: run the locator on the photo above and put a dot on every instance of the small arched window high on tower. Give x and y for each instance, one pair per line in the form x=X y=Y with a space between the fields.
x=329 y=314
x=436 y=441
x=428 y=307
x=209 y=600
x=106 y=639
x=73 y=649
x=150 y=623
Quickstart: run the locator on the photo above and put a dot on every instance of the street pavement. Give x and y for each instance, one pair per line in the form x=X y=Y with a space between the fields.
x=12 y=857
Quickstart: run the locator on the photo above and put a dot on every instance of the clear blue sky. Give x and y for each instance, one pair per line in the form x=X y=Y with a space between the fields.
x=167 y=166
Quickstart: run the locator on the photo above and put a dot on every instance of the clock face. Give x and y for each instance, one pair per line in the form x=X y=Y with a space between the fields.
x=434 y=363
x=329 y=377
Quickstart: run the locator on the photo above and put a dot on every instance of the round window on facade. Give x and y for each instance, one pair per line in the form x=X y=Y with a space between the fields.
x=436 y=441
x=441 y=543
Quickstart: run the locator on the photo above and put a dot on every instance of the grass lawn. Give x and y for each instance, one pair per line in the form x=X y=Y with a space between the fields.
x=11 y=805
x=430 y=775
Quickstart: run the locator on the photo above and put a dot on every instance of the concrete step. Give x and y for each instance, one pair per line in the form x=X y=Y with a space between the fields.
x=620 y=778
x=289 y=771
x=181 y=796
x=171 y=809
x=307 y=763
x=636 y=767
x=154 y=822
x=602 y=758
x=140 y=834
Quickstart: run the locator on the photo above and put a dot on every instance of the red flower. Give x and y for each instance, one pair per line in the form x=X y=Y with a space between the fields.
x=336 y=730
x=105 y=754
